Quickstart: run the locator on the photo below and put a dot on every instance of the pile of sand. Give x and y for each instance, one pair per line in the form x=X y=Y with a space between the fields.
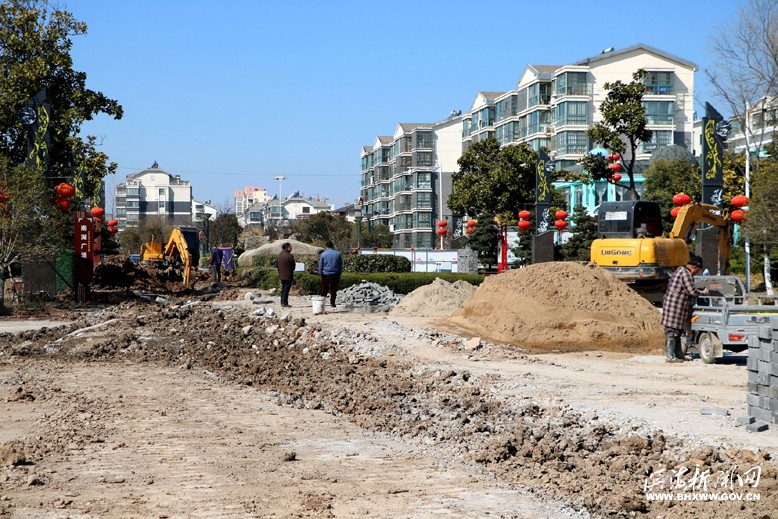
x=438 y=299
x=561 y=306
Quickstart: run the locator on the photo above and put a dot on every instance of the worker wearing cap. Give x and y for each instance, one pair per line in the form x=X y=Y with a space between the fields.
x=677 y=304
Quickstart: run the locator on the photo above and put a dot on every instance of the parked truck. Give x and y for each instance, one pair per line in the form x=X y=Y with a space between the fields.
x=727 y=317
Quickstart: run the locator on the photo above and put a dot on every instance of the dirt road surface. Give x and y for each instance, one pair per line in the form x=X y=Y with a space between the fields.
x=191 y=408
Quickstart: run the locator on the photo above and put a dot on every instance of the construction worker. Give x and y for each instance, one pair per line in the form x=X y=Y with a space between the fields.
x=676 y=306
x=330 y=267
x=216 y=263
x=285 y=264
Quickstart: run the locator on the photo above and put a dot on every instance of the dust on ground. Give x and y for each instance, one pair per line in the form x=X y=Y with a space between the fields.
x=564 y=306
x=542 y=436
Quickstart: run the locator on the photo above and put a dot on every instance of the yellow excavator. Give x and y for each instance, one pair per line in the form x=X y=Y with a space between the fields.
x=632 y=248
x=181 y=251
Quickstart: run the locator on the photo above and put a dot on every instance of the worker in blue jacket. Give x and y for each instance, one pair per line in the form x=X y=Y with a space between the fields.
x=330 y=267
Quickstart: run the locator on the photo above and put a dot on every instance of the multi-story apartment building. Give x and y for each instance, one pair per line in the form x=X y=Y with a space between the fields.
x=406 y=177
x=762 y=124
x=553 y=106
x=155 y=193
x=246 y=197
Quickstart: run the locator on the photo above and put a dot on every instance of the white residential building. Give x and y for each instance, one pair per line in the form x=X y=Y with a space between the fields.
x=273 y=213
x=155 y=193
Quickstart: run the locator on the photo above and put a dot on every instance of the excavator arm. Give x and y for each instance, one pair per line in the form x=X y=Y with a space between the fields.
x=177 y=245
x=691 y=214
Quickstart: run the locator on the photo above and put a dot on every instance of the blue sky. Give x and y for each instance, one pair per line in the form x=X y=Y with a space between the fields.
x=232 y=93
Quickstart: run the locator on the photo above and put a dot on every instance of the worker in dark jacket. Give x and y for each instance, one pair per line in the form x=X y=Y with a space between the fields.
x=285 y=264
x=330 y=267
x=677 y=304
x=216 y=263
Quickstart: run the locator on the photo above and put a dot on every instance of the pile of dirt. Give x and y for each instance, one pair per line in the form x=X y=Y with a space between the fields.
x=119 y=271
x=438 y=299
x=563 y=306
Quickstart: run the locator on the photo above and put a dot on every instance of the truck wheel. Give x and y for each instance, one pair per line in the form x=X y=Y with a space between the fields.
x=707 y=348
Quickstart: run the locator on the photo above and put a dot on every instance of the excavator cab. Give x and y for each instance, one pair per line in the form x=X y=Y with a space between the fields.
x=629 y=219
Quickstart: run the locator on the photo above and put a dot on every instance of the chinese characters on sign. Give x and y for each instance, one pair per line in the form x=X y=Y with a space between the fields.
x=84 y=248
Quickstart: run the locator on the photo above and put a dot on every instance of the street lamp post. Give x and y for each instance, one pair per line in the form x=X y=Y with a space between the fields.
x=358 y=219
x=280 y=207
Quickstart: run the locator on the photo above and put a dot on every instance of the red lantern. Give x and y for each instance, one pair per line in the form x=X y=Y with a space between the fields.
x=674 y=211
x=112 y=223
x=681 y=199
x=560 y=224
x=441 y=231
x=616 y=177
x=525 y=215
x=3 y=197
x=64 y=205
x=560 y=215
x=614 y=167
x=616 y=157
x=65 y=190
x=97 y=212
x=113 y=230
x=524 y=225
x=471 y=223
x=442 y=223
x=738 y=215
x=469 y=230
x=740 y=200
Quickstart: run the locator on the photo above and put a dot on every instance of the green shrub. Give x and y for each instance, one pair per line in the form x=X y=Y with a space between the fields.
x=270 y=261
x=366 y=263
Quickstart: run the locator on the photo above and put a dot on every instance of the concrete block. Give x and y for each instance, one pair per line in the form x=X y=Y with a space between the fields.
x=753 y=376
x=763 y=378
x=745 y=420
x=770 y=403
x=754 y=400
x=765 y=354
x=757 y=427
x=753 y=360
x=753 y=387
x=764 y=415
x=753 y=342
x=765 y=332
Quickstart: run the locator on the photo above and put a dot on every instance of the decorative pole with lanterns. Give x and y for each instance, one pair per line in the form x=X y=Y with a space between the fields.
x=442 y=224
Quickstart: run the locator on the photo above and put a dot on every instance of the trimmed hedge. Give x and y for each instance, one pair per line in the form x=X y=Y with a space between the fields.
x=397 y=282
x=351 y=262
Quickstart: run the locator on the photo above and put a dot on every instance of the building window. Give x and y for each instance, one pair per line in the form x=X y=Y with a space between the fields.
x=571 y=143
x=659 y=112
x=539 y=94
x=659 y=83
x=306 y=210
x=133 y=191
x=424 y=139
x=423 y=200
x=423 y=180
x=658 y=139
x=424 y=159
x=133 y=204
x=571 y=112
x=572 y=83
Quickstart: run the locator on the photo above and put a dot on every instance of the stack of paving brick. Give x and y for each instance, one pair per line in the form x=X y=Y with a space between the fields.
x=368 y=297
x=762 y=395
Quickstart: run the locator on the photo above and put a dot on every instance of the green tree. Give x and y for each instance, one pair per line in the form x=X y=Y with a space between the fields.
x=377 y=236
x=493 y=179
x=224 y=230
x=665 y=179
x=583 y=233
x=35 y=44
x=762 y=223
x=324 y=226
x=29 y=223
x=622 y=129
x=523 y=249
x=484 y=240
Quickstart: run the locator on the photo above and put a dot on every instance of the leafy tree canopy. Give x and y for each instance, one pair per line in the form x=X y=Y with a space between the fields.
x=494 y=179
x=377 y=236
x=484 y=239
x=324 y=226
x=583 y=233
x=224 y=230
x=622 y=129
x=35 y=45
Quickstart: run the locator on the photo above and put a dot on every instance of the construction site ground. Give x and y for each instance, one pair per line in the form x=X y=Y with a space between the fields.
x=195 y=406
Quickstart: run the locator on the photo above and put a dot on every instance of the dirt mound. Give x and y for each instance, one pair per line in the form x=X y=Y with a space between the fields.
x=438 y=299
x=119 y=271
x=561 y=306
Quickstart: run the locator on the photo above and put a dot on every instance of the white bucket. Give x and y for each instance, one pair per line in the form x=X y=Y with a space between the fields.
x=317 y=304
